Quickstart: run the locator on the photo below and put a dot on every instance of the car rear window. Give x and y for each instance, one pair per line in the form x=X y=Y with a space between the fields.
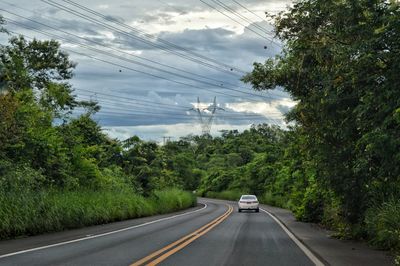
x=249 y=198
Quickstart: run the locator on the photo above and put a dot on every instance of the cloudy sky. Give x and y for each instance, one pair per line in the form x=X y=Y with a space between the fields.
x=148 y=62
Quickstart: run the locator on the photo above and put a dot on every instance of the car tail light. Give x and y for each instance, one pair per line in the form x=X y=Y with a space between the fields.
x=242 y=201
x=254 y=202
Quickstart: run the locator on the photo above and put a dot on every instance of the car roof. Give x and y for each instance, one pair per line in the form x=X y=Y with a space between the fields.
x=248 y=196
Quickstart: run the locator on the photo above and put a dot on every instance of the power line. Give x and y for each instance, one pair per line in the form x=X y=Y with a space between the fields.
x=135 y=37
x=147 y=117
x=135 y=70
x=163 y=114
x=225 y=116
x=129 y=68
x=248 y=9
x=111 y=55
x=151 y=36
x=220 y=85
x=171 y=6
x=121 y=107
x=251 y=23
x=254 y=24
x=112 y=48
x=126 y=104
x=177 y=116
x=186 y=116
x=127 y=99
x=232 y=11
x=233 y=19
x=181 y=108
x=167 y=46
x=122 y=112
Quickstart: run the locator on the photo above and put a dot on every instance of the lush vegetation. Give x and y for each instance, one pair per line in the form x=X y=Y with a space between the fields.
x=59 y=171
x=42 y=211
x=338 y=164
x=341 y=64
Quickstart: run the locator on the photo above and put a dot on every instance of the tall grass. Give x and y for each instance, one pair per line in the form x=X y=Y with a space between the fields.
x=31 y=213
x=383 y=226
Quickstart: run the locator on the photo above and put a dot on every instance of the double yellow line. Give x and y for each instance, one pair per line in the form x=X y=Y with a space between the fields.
x=154 y=258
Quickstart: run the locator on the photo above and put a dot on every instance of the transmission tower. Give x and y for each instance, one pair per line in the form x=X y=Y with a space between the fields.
x=166 y=139
x=204 y=118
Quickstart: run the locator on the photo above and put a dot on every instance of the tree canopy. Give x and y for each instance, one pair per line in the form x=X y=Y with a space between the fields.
x=341 y=63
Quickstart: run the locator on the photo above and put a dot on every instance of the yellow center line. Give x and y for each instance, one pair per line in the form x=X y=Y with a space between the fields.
x=182 y=242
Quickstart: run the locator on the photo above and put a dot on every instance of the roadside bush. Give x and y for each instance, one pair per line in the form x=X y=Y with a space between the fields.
x=274 y=200
x=312 y=207
x=114 y=178
x=17 y=177
x=383 y=225
x=31 y=213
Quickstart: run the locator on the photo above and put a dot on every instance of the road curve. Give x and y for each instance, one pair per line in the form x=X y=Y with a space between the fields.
x=214 y=235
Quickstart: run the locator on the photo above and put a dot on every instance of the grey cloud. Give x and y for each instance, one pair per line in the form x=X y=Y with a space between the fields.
x=163 y=17
x=218 y=43
x=283 y=108
x=208 y=38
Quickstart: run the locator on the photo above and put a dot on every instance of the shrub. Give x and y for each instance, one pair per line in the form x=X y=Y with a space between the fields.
x=274 y=200
x=312 y=207
x=17 y=177
x=383 y=225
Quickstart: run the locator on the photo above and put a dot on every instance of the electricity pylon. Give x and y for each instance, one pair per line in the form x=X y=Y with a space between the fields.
x=166 y=139
x=206 y=120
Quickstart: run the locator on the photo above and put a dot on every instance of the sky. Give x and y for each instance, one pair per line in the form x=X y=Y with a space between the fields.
x=149 y=63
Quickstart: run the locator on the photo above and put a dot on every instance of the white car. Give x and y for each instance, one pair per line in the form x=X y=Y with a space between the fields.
x=248 y=202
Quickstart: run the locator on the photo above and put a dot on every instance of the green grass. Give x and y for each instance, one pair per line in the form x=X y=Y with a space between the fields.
x=33 y=213
x=383 y=226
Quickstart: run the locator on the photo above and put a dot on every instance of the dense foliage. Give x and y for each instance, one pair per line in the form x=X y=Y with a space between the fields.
x=59 y=170
x=341 y=64
x=338 y=164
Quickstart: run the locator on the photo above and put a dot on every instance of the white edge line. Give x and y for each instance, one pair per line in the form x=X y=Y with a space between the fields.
x=306 y=250
x=100 y=235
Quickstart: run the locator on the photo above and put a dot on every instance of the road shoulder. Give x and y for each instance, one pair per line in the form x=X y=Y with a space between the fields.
x=329 y=250
x=332 y=251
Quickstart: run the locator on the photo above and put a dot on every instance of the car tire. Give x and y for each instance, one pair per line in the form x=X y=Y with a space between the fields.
x=240 y=210
x=257 y=210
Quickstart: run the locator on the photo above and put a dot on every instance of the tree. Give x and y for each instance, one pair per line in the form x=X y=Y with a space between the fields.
x=35 y=91
x=39 y=66
x=341 y=63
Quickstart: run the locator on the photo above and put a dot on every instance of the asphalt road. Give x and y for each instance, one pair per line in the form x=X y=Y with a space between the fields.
x=215 y=234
